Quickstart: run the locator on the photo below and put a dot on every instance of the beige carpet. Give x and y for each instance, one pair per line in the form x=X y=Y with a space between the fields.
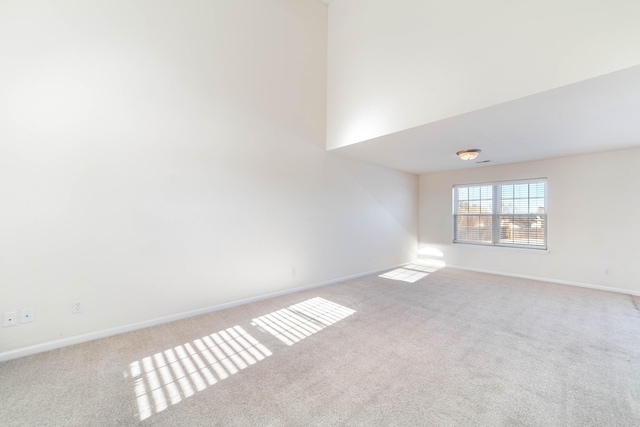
x=455 y=348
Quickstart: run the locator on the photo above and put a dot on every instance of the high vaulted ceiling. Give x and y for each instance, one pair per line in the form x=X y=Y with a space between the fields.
x=600 y=114
x=412 y=82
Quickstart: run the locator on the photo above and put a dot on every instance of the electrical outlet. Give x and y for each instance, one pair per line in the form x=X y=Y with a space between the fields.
x=10 y=318
x=26 y=315
x=76 y=308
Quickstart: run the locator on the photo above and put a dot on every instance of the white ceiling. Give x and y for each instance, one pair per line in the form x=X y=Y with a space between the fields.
x=600 y=114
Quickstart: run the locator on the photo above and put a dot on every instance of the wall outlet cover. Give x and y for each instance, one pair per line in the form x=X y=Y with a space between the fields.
x=77 y=308
x=26 y=315
x=10 y=318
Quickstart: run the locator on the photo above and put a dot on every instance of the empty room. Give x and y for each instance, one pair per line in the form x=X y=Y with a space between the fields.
x=319 y=213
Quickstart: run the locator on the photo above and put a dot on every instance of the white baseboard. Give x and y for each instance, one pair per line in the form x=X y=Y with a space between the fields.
x=78 y=339
x=545 y=279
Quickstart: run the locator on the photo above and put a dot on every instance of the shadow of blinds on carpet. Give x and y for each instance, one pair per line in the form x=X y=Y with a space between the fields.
x=168 y=377
x=299 y=321
x=411 y=273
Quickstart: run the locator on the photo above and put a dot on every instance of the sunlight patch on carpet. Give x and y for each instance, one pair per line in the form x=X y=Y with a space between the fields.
x=166 y=378
x=411 y=273
x=295 y=323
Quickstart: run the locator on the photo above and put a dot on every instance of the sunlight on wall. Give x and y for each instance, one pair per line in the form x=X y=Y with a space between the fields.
x=295 y=323
x=411 y=273
x=362 y=128
x=168 y=377
x=430 y=251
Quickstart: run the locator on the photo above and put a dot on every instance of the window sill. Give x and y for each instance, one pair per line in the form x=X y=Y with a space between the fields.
x=504 y=248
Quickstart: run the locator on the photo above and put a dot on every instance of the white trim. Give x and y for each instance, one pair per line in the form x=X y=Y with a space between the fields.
x=545 y=279
x=529 y=249
x=78 y=339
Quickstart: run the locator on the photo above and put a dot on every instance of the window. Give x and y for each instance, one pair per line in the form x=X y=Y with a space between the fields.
x=501 y=214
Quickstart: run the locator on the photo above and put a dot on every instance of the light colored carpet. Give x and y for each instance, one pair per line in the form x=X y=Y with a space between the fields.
x=455 y=348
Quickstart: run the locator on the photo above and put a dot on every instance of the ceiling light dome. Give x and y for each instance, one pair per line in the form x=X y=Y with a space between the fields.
x=468 y=154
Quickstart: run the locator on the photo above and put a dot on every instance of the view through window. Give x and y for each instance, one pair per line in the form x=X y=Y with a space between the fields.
x=501 y=214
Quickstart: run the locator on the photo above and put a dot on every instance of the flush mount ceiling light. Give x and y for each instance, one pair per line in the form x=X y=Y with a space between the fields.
x=468 y=154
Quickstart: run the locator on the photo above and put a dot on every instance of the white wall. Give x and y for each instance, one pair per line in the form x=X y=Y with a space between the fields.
x=394 y=65
x=593 y=220
x=158 y=157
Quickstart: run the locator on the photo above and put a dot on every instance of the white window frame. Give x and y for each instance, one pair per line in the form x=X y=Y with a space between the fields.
x=496 y=231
